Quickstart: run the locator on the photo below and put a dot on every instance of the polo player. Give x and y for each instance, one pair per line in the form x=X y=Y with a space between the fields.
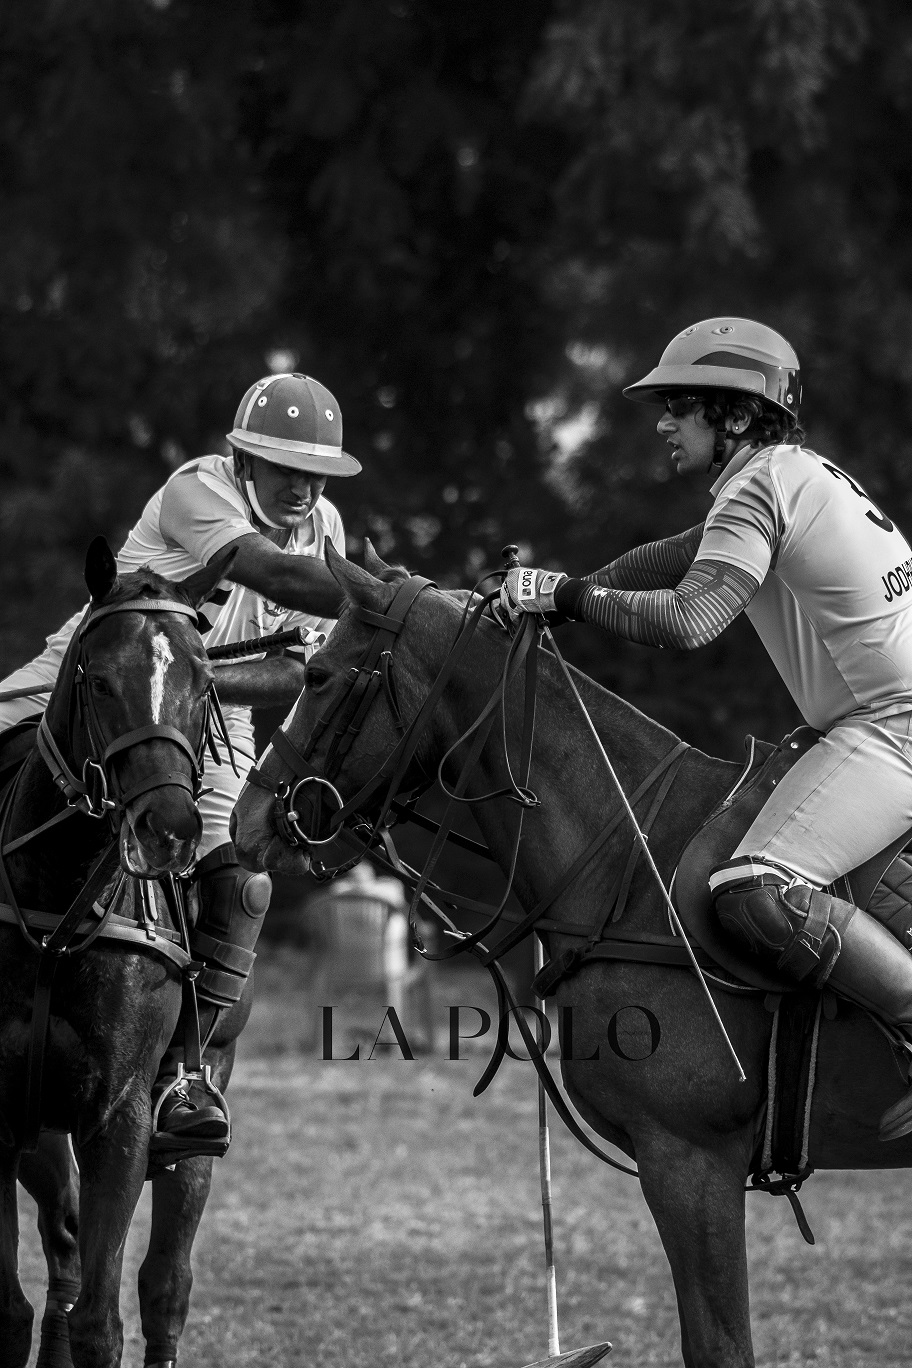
x=265 y=502
x=825 y=577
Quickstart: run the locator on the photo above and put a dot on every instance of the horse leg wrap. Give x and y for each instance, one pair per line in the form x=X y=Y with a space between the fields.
x=233 y=903
x=815 y=938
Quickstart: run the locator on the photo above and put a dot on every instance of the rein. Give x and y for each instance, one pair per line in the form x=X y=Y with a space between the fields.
x=351 y=703
x=348 y=708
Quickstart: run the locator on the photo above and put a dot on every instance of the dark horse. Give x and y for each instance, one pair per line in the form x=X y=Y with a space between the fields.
x=680 y=1109
x=140 y=675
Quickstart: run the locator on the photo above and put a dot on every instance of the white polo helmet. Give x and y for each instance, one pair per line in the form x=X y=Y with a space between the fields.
x=293 y=420
x=725 y=353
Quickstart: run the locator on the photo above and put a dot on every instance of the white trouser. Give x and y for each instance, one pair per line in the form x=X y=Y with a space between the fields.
x=844 y=800
x=215 y=807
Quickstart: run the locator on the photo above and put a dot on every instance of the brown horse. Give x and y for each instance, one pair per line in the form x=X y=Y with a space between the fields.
x=677 y=1108
x=113 y=1006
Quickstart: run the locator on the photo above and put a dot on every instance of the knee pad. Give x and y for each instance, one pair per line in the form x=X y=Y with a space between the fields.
x=789 y=923
x=232 y=903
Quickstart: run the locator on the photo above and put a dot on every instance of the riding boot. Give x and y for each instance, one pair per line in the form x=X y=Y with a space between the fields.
x=816 y=939
x=186 y=1113
x=232 y=905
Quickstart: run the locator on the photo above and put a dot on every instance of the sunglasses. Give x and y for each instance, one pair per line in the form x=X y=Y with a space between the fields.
x=680 y=405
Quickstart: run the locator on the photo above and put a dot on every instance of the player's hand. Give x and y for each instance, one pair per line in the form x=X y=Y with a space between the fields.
x=529 y=591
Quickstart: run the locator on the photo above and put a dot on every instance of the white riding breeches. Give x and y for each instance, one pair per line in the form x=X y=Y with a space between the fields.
x=844 y=800
x=215 y=806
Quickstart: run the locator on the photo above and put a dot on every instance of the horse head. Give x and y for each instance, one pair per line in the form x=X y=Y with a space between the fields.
x=129 y=721
x=360 y=695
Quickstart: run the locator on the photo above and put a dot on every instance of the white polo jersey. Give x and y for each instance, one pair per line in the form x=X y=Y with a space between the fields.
x=834 y=607
x=198 y=512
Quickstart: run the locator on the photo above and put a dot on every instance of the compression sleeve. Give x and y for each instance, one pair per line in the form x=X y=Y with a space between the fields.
x=656 y=565
x=709 y=597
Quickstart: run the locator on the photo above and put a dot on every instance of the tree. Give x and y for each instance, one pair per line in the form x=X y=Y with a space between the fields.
x=475 y=224
x=749 y=158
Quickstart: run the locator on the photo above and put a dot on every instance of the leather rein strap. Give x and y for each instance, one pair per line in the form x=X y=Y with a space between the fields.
x=352 y=704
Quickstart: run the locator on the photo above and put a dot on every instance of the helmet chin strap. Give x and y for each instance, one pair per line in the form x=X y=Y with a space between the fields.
x=255 y=505
x=252 y=496
x=723 y=434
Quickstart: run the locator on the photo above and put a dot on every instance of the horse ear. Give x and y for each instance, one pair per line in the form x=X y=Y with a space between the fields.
x=197 y=587
x=100 y=569
x=372 y=562
x=360 y=586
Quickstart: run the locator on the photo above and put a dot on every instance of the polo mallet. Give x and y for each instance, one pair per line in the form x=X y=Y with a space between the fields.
x=592 y=1353
x=295 y=636
x=233 y=650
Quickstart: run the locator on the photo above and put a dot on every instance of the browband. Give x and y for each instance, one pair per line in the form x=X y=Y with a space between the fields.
x=144 y=605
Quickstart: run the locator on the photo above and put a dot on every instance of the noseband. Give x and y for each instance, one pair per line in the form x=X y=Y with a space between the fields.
x=91 y=792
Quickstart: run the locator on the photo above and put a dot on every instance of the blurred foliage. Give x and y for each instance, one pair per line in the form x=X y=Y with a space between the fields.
x=475 y=223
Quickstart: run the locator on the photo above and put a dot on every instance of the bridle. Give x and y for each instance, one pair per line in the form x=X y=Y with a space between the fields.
x=96 y=791
x=344 y=714
x=348 y=708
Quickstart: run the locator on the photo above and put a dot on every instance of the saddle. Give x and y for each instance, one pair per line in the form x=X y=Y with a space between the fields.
x=881 y=886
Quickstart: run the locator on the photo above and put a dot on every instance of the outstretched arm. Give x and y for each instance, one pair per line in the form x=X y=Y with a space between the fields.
x=655 y=565
x=274 y=682
x=196 y=516
x=300 y=582
x=708 y=598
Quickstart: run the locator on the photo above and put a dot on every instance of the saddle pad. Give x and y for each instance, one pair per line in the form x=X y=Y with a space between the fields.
x=891 y=901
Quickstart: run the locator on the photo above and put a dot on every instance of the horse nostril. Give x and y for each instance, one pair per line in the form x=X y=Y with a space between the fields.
x=169 y=828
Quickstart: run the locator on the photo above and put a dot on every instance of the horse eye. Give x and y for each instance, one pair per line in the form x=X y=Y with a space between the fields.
x=314 y=678
x=99 y=685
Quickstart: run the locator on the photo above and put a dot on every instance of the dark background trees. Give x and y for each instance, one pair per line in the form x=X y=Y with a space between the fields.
x=475 y=223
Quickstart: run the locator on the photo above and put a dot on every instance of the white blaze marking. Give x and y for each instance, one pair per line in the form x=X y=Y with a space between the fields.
x=162 y=658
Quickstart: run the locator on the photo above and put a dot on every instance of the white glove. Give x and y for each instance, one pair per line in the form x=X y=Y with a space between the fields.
x=529 y=591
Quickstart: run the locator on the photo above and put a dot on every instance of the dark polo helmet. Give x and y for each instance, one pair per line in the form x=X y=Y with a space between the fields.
x=725 y=353
x=293 y=420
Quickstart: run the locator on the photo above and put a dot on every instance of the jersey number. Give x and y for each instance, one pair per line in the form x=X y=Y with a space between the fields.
x=873 y=512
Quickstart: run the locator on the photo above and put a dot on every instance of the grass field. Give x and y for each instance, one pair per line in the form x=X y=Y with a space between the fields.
x=375 y=1215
